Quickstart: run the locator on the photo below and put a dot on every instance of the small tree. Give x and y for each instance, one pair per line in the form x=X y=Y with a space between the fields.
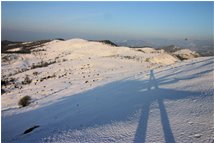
x=24 y=101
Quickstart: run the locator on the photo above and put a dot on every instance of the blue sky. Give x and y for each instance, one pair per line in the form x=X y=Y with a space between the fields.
x=107 y=20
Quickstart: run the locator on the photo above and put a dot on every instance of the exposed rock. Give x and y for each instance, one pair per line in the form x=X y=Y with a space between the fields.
x=185 y=54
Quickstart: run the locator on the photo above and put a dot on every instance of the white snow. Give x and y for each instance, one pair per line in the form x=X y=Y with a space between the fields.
x=185 y=51
x=102 y=93
x=163 y=59
x=14 y=50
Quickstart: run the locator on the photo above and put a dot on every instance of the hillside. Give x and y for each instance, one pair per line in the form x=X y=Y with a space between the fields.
x=61 y=60
x=87 y=91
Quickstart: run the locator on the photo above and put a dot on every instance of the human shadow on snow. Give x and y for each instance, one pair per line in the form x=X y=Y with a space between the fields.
x=140 y=135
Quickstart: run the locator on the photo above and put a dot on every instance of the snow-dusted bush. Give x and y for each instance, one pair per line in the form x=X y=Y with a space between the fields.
x=147 y=60
x=35 y=73
x=24 y=101
x=27 y=80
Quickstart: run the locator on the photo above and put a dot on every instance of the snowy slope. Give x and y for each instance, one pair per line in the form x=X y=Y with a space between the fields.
x=75 y=65
x=126 y=99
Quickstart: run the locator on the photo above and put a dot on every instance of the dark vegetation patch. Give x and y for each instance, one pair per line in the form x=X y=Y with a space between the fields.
x=25 y=48
x=139 y=46
x=181 y=57
x=128 y=57
x=6 y=43
x=27 y=80
x=140 y=50
x=30 y=129
x=24 y=101
x=3 y=91
x=64 y=60
x=38 y=50
x=47 y=77
x=147 y=59
x=60 y=39
x=35 y=73
x=108 y=42
x=5 y=82
x=11 y=82
x=42 y=64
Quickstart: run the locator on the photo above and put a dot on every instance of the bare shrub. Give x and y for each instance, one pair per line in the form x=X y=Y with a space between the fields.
x=24 y=101
x=147 y=60
x=27 y=80
x=42 y=64
x=35 y=73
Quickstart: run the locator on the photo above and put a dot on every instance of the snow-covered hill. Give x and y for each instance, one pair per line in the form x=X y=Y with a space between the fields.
x=75 y=65
x=92 y=92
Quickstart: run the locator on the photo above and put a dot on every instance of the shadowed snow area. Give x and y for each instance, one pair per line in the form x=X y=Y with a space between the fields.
x=167 y=104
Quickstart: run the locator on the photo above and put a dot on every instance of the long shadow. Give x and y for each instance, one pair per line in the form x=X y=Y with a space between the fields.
x=113 y=102
x=168 y=135
x=209 y=61
x=140 y=135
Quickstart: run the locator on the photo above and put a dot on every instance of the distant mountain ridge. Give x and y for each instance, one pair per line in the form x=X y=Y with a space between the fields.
x=204 y=47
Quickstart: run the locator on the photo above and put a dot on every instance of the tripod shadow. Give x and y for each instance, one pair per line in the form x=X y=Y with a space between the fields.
x=140 y=135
